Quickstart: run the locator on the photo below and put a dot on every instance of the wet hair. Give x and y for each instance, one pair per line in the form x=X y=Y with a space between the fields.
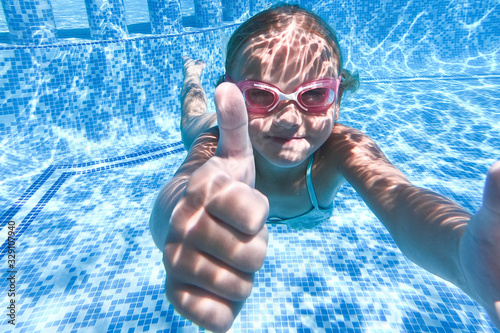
x=278 y=18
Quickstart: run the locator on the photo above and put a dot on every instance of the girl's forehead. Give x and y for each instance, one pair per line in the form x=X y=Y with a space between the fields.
x=288 y=57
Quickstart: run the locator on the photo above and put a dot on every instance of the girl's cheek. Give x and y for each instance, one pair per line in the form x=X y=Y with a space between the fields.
x=258 y=123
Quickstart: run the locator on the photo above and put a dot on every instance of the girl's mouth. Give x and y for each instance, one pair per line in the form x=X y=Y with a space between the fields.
x=283 y=140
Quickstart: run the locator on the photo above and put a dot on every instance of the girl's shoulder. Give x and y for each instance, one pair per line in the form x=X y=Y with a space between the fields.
x=342 y=134
x=348 y=146
x=342 y=141
x=359 y=159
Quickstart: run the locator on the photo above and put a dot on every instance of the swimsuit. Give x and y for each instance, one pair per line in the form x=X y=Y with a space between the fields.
x=312 y=218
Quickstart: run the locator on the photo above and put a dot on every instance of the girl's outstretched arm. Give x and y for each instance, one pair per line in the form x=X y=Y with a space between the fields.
x=431 y=230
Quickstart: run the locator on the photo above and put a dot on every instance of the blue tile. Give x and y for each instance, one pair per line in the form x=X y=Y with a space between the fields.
x=99 y=119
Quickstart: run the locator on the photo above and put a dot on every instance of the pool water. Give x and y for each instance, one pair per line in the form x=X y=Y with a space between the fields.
x=89 y=133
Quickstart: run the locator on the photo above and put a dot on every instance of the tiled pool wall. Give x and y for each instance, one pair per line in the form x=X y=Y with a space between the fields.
x=116 y=83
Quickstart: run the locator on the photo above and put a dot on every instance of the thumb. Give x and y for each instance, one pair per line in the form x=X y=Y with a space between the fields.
x=491 y=197
x=234 y=142
x=232 y=119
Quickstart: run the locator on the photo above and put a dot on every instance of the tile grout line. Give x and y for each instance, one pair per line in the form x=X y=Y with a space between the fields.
x=14 y=209
x=32 y=203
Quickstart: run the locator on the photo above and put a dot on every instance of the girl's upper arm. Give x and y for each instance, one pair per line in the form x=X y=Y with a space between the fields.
x=367 y=169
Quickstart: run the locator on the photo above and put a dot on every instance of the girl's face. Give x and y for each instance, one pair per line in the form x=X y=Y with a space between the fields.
x=286 y=136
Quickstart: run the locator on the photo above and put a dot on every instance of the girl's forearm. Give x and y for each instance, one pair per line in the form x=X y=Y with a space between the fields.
x=427 y=227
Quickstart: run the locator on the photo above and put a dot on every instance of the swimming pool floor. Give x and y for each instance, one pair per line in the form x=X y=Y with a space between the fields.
x=85 y=260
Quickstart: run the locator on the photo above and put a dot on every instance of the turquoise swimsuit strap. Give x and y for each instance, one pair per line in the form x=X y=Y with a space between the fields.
x=310 y=186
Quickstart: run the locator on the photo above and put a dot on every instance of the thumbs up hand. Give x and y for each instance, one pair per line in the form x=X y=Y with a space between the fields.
x=217 y=238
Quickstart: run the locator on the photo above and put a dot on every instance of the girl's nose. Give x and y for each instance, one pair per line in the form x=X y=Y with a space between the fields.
x=288 y=116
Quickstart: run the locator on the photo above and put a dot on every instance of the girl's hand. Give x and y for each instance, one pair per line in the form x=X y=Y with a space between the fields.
x=217 y=238
x=480 y=249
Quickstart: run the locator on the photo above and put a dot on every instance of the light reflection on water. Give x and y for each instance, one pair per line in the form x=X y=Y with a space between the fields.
x=430 y=104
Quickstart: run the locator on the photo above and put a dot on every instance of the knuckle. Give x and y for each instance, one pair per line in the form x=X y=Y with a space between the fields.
x=250 y=257
x=171 y=258
x=257 y=222
x=233 y=286
x=220 y=180
x=223 y=326
x=253 y=226
x=254 y=221
x=258 y=256
x=241 y=291
x=246 y=291
x=178 y=259
x=258 y=215
x=177 y=222
x=217 y=315
x=253 y=265
x=217 y=321
x=195 y=196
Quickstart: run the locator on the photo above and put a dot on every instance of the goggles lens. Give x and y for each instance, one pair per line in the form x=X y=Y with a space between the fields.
x=259 y=98
x=317 y=97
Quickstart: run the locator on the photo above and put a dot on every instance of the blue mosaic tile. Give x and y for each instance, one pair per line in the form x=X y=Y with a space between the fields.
x=90 y=132
x=235 y=10
x=106 y=19
x=31 y=22
x=165 y=16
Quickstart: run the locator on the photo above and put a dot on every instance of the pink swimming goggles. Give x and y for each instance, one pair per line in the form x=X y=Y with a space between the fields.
x=314 y=96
